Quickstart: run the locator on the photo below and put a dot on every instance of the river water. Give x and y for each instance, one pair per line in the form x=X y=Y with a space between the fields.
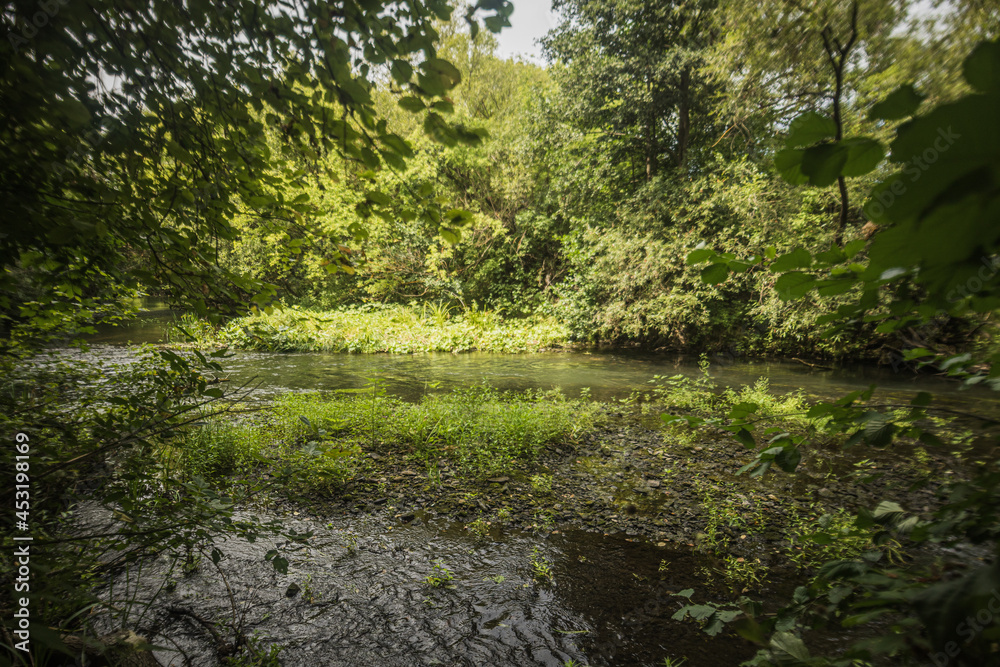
x=606 y=374
x=362 y=597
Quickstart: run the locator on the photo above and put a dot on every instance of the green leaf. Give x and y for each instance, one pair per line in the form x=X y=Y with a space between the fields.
x=888 y=510
x=401 y=71
x=444 y=69
x=714 y=626
x=398 y=144
x=714 y=274
x=794 y=285
x=788 y=459
x=411 y=103
x=788 y=162
x=786 y=642
x=834 y=287
x=443 y=106
x=393 y=160
x=823 y=164
x=819 y=410
x=438 y=129
x=459 y=216
x=433 y=84
x=982 y=68
x=901 y=103
x=832 y=256
x=280 y=564
x=957 y=359
x=746 y=438
x=699 y=612
x=471 y=136
x=879 y=432
x=496 y=23
x=452 y=236
x=741 y=410
x=376 y=197
x=863 y=155
x=797 y=259
x=854 y=247
x=810 y=128
x=699 y=255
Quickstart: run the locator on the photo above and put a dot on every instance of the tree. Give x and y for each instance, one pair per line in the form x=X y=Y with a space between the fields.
x=134 y=133
x=632 y=74
x=137 y=137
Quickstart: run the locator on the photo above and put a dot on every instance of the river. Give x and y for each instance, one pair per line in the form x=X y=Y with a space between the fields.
x=606 y=374
x=357 y=593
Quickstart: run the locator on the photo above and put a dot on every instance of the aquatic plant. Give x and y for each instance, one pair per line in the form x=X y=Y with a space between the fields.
x=480 y=527
x=541 y=568
x=440 y=577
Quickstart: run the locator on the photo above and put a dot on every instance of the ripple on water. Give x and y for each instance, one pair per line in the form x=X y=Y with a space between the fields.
x=605 y=604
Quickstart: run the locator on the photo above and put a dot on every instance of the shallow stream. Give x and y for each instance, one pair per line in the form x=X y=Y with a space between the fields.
x=360 y=595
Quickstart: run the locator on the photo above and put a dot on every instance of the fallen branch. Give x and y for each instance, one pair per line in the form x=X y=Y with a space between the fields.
x=806 y=363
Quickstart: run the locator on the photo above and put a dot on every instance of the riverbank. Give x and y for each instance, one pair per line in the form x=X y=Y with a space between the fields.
x=542 y=462
x=481 y=504
x=387 y=528
x=375 y=328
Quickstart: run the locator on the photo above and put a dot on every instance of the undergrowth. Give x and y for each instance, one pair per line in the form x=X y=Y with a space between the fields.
x=397 y=329
x=319 y=441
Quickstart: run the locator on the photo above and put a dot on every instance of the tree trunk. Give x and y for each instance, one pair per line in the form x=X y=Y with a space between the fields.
x=650 y=138
x=683 y=118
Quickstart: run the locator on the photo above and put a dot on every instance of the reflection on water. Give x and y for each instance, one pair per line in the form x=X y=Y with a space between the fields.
x=608 y=375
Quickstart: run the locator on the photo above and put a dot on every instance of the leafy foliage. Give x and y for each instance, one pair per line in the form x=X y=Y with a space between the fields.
x=395 y=329
x=935 y=238
x=139 y=182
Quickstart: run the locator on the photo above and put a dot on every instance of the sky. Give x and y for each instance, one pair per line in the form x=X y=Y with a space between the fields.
x=531 y=19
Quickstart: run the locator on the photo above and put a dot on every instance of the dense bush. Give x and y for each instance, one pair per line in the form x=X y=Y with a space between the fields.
x=398 y=329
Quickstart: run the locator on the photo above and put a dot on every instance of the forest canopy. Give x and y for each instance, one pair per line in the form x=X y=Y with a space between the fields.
x=219 y=154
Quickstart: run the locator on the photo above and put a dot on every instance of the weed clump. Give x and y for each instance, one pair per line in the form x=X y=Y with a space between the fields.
x=315 y=442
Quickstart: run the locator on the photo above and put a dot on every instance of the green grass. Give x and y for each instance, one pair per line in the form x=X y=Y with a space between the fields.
x=220 y=449
x=479 y=429
x=397 y=329
x=317 y=442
